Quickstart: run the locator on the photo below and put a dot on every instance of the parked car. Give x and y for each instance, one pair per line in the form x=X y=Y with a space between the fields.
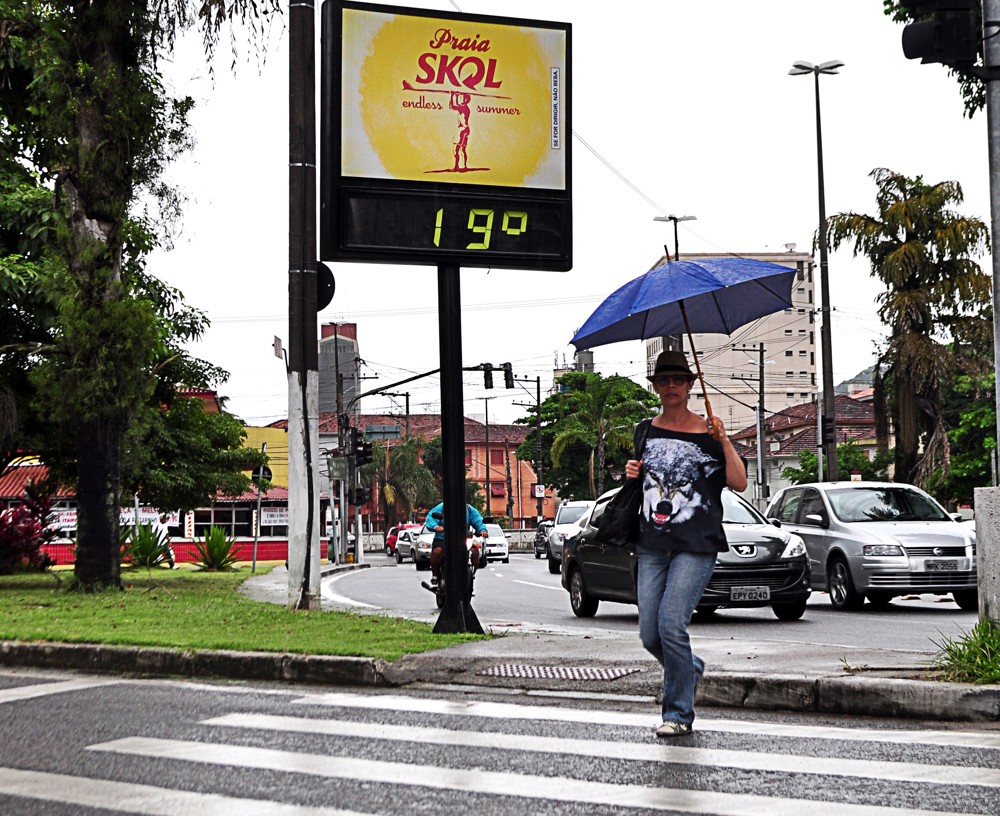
x=568 y=521
x=542 y=538
x=392 y=535
x=496 y=546
x=764 y=566
x=877 y=540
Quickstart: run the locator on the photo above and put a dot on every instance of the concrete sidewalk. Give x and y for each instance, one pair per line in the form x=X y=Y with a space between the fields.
x=751 y=675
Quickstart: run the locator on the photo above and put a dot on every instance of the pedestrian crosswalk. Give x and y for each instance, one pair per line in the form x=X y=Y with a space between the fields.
x=394 y=753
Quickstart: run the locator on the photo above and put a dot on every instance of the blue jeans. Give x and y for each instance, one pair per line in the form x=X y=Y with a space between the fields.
x=670 y=586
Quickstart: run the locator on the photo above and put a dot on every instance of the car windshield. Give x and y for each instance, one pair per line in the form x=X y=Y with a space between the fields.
x=736 y=510
x=567 y=515
x=884 y=504
x=494 y=531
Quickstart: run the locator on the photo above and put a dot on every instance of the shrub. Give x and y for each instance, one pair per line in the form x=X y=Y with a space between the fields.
x=24 y=530
x=145 y=547
x=215 y=551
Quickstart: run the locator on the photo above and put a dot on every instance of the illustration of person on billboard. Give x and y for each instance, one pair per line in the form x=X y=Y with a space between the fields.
x=459 y=102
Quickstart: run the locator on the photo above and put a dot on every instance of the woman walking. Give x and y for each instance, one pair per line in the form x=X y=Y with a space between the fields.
x=685 y=463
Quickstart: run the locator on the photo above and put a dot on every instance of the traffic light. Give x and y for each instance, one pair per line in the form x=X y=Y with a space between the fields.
x=353 y=441
x=487 y=375
x=952 y=34
x=508 y=375
x=363 y=452
x=361 y=495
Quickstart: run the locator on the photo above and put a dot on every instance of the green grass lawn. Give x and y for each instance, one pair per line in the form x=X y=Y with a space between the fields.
x=188 y=609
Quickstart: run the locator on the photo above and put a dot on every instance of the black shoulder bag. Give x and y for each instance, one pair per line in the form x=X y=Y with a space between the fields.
x=620 y=522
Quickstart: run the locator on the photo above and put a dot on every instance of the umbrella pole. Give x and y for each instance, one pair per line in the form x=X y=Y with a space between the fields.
x=697 y=364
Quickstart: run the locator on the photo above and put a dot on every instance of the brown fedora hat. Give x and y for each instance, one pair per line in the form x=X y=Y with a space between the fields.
x=669 y=362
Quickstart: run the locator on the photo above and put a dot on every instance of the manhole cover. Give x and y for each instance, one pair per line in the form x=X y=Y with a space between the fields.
x=556 y=672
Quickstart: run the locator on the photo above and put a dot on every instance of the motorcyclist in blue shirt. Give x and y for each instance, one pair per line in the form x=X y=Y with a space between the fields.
x=435 y=524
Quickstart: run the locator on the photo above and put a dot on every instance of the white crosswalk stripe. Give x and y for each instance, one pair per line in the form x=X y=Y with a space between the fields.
x=512 y=711
x=642 y=752
x=560 y=789
x=28 y=692
x=146 y=800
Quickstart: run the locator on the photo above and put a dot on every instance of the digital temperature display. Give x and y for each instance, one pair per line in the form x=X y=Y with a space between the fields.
x=486 y=229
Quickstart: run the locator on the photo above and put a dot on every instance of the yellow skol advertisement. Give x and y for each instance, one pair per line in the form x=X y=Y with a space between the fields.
x=449 y=100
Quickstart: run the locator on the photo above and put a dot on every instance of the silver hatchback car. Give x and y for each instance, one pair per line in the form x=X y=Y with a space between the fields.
x=878 y=540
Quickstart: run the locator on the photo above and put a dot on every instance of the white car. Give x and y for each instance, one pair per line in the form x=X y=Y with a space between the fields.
x=571 y=518
x=496 y=547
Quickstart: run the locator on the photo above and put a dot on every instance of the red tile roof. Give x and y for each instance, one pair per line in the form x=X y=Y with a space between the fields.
x=12 y=482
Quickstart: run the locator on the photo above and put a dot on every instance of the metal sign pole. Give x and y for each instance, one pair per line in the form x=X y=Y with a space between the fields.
x=456 y=614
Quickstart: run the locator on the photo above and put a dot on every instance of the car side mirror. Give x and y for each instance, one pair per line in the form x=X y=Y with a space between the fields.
x=956 y=516
x=775 y=521
x=817 y=519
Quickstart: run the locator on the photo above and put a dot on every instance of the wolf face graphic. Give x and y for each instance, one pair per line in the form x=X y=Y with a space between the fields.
x=673 y=483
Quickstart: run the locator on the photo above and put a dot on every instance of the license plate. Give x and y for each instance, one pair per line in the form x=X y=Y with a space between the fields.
x=942 y=565
x=750 y=593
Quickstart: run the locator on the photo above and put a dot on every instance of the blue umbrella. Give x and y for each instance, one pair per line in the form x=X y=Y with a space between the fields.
x=710 y=295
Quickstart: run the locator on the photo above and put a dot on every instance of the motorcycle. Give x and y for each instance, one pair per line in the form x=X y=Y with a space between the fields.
x=439 y=588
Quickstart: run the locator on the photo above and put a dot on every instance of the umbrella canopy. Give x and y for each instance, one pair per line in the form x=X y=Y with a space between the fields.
x=711 y=295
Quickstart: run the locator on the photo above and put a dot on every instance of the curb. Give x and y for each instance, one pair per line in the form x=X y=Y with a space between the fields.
x=853 y=695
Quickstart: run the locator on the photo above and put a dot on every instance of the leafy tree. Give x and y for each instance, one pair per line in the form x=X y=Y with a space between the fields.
x=970 y=411
x=972 y=88
x=404 y=482
x=83 y=105
x=936 y=304
x=851 y=458
x=587 y=429
x=434 y=461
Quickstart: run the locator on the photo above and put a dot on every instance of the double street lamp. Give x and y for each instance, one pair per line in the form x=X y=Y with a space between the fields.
x=675 y=219
x=828 y=430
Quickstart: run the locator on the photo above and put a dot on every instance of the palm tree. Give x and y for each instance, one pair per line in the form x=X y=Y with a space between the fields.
x=403 y=480
x=936 y=297
x=599 y=414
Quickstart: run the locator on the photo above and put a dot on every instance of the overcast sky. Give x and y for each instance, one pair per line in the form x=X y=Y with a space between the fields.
x=679 y=108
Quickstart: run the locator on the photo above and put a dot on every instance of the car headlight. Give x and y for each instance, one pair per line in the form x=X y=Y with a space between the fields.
x=794 y=548
x=882 y=549
x=560 y=537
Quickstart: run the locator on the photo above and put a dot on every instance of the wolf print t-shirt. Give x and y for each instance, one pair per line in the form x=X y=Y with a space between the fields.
x=683 y=475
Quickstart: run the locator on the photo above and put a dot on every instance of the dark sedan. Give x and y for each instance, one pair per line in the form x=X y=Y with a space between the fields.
x=764 y=566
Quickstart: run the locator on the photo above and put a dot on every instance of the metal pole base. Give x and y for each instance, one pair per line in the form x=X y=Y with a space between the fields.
x=458 y=619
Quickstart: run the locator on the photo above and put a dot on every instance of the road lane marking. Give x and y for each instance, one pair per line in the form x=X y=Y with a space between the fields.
x=326 y=591
x=639 y=752
x=146 y=800
x=13 y=695
x=540 y=586
x=496 y=783
x=510 y=711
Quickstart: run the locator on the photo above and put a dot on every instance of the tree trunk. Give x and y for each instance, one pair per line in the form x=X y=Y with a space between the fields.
x=98 y=504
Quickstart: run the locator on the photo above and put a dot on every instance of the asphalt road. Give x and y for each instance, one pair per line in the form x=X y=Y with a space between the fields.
x=524 y=596
x=73 y=743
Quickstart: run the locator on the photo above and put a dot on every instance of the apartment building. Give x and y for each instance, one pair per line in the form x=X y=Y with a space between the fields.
x=731 y=364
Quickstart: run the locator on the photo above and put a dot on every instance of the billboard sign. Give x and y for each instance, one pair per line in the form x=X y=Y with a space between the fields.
x=445 y=138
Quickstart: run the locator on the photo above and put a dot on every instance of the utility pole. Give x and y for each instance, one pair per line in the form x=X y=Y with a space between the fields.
x=988 y=498
x=538 y=440
x=407 y=395
x=489 y=496
x=510 y=487
x=762 y=489
x=303 y=368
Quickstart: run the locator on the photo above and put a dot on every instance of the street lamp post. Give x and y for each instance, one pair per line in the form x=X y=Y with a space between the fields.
x=675 y=219
x=828 y=441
